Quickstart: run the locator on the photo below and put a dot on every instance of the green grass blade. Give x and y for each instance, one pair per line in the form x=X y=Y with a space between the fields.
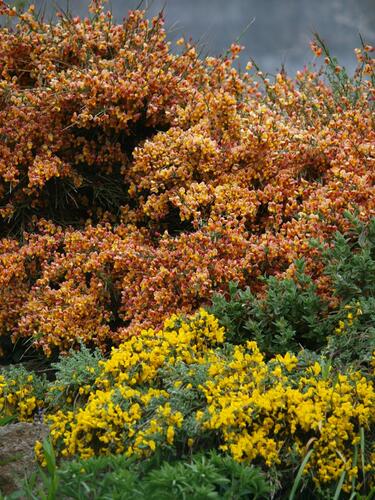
x=339 y=486
x=7 y=420
x=299 y=474
x=362 y=444
x=355 y=463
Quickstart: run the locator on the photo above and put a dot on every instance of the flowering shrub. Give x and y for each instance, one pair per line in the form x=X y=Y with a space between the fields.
x=104 y=284
x=21 y=393
x=138 y=184
x=75 y=98
x=162 y=176
x=183 y=389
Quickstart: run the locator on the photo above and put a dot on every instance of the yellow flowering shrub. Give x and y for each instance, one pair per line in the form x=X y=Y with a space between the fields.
x=267 y=410
x=21 y=394
x=183 y=388
x=130 y=409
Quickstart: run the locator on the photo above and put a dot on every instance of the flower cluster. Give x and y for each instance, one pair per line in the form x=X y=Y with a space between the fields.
x=130 y=388
x=73 y=95
x=183 y=388
x=268 y=411
x=353 y=311
x=21 y=394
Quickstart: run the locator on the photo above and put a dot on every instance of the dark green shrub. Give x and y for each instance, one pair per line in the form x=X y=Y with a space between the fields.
x=289 y=316
x=350 y=263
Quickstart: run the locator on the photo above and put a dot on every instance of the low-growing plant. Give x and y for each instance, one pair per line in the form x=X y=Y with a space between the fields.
x=116 y=477
x=22 y=393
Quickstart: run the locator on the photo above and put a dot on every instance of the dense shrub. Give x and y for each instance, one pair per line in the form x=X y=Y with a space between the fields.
x=183 y=390
x=138 y=184
x=162 y=175
x=76 y=97
x=21 y=393
x=287 y=318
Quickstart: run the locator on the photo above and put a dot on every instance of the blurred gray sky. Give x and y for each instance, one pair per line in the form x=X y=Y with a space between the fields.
x=280 y=31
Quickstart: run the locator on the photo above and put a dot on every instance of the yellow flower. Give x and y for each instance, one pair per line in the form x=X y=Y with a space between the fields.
x=170 y=434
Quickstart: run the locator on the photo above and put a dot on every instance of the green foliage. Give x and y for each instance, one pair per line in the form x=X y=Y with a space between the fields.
x=50 y=478
x=232 y=312
x=202 y=477
x=350 y=263
x=79 y=367
x=356 y=343
x=299 y=475
x=77 y=370
x=286 y=318
x=206 y=477
x=42 y=484
x=182 y=382
x=6 y=420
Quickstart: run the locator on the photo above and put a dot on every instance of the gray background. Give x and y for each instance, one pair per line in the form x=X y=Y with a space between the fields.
x=280 y=32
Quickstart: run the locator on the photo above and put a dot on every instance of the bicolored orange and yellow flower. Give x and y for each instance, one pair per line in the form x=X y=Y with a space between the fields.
x=171 y=174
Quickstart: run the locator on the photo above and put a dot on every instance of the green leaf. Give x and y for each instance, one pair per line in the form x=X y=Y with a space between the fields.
x=7 y=420
x=339 y=486
x=299 y=475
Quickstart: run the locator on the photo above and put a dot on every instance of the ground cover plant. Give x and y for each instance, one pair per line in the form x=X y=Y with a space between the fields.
x=187 y=262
